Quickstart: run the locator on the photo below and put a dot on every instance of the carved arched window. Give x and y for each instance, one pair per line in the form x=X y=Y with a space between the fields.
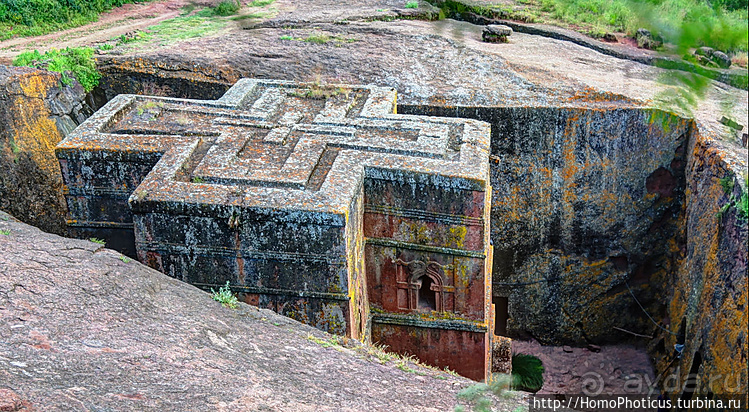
x=424 y=285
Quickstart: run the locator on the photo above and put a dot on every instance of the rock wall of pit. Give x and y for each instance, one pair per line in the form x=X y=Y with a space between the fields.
x=585 y=203
x=585 y=207
x=707 y=295
x=592 y=208
x=36 y=113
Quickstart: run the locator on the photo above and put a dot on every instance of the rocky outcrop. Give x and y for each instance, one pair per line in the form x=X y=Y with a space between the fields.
x=36 y=113
x=85 y=328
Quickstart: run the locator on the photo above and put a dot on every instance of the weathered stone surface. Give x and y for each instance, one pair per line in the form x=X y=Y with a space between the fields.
x=721 y=59
x=498 y=29
x=615 y=369
x=707 y=300
x=496 y=33
x=35 y=114
x=610 y=37
x=584 y=204
x=501 y=355
x=285 y=190
x=82 y=328
x=427 y=62
x=12 y=402
x=529 y=72
x=704 y=51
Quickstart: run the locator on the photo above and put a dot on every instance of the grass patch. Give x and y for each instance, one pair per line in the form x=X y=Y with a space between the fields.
x=186 y=26
x=318 y=91
x=527 y=373
x=97 y=240
x=131 y=37
x=742 y=207
x=225 y=296
x=412 y=5
x=125 y=259
x=727 y=184
x=336 y=342
x=260 y=3
x=5 y=232
x=741 y=203
x=404 y=362
x=477 y=396
x=20 y=18
x=320 y=38
x=77 y=62
x=380 y=353
x=149 y=107
x=257 y=15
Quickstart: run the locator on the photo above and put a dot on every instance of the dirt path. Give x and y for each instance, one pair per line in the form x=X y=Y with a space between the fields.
x=119 y=21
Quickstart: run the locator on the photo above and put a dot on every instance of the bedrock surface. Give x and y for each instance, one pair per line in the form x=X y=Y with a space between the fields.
x=81 y=328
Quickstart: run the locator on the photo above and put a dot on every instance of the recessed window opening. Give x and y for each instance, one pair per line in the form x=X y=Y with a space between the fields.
x=427 y=296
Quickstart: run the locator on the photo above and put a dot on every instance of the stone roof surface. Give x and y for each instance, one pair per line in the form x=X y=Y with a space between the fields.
x=267 y=144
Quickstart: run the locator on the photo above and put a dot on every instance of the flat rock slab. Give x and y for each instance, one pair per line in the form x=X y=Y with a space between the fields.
x=83 y=328
x=496 y=33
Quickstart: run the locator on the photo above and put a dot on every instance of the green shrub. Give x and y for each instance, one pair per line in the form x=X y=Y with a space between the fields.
x=77 y=62
x=225 y=297
x=227 y=8
x=742 y=207
x=412 y=5
x=527 y=373
x=477 y=395
x=727 y=184
x=730 y=5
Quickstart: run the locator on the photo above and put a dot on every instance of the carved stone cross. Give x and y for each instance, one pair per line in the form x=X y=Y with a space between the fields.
x=282 y=188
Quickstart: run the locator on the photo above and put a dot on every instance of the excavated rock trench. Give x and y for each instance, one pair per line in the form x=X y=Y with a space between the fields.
x=588 y=227
x=603 y=224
